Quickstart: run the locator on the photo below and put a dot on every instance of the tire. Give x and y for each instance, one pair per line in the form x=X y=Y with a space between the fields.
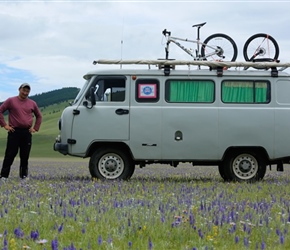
x=229 y=50
x=244 y=166
x=223 y=173
x=111 y=164
x=263 y=43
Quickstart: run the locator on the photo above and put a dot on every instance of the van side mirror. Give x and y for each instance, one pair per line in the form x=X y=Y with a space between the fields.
x=93 y=97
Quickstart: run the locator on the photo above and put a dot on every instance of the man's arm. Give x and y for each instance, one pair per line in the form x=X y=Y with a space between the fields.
x=3 y=108
x=38 y=117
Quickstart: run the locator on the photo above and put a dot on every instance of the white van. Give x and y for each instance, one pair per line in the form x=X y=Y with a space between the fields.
x=238 y=120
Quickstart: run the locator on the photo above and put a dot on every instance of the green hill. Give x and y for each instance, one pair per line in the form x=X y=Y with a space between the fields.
x=51 y=105
x=55 y=96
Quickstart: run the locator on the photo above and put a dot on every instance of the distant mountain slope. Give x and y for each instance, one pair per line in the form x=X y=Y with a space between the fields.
x=54 y=96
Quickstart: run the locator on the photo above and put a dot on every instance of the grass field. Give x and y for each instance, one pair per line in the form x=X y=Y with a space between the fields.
x=161 y=207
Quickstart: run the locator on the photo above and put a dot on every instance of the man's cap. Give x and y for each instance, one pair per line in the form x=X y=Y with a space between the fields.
x=24 y=85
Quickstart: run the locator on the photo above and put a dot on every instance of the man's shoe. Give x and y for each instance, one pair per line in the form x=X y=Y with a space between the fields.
x=25 y=178
x=3 y=179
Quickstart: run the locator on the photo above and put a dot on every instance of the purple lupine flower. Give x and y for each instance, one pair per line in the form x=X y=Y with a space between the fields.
x=110 y=240
x=263 y=245
x=150 y=244
x=60 y=228
x=233 y=228
x=200 y=233
x=100 y=240
x=54 y=244
x=129 y=222
x=237 y=239
x=191 y=219
x=64 y=212
x=130 y=244
x=34 y=235
x=5 y=242
x=246 y=242
x=282 y=240
x=18 y=233
x=83 y=230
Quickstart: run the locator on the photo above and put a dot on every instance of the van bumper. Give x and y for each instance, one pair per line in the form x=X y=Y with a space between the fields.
x=61 y=147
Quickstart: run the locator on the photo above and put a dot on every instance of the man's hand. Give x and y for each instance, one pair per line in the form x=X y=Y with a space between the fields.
x=32 y=130
x=9 y=128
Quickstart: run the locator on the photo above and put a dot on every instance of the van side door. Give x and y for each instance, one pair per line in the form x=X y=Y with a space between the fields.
x=145 y=119
x=108 y=119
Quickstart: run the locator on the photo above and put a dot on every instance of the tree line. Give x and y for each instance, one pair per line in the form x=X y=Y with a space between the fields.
x=54 y=96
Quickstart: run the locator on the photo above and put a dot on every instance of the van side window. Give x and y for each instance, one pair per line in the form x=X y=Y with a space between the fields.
x=110 y=90
x=199 y=91
x=147 y=90
x=245 y=91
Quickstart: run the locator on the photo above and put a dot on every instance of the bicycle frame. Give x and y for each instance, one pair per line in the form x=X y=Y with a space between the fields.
x=197 y=56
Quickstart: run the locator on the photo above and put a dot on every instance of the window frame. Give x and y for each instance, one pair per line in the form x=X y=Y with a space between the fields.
x=268 y=91
x=107 y=80
x=153 y=93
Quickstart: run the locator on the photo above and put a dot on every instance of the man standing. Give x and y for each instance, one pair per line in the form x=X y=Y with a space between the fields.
x=20 y=128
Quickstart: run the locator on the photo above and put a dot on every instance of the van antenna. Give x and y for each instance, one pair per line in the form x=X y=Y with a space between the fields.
x=122 y=35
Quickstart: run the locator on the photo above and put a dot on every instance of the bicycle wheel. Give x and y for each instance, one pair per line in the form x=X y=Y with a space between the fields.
x=262 y=47
x=219 y=47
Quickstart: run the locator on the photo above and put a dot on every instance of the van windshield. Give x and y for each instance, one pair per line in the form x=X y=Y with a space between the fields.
x=81 y=92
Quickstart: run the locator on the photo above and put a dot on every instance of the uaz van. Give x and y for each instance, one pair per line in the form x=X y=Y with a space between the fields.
x=238 y=120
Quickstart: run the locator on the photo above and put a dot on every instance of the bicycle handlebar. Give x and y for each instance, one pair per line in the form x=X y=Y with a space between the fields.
x=165 y=32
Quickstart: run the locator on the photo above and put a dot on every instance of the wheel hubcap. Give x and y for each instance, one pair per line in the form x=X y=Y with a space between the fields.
x=245 y=166
x=111 y=166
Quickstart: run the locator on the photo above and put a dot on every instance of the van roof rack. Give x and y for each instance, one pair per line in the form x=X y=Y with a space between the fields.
x=218 y=65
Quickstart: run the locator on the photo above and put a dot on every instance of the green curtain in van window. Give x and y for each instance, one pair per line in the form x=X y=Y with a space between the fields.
x=244 y=92
x=238 y=92
x=191 y=91
x=261 y=90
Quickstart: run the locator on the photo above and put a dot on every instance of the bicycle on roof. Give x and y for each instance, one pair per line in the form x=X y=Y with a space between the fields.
x=217 y=47
x=261 y=47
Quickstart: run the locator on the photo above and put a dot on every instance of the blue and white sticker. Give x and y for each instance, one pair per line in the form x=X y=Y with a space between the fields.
x=147 y=91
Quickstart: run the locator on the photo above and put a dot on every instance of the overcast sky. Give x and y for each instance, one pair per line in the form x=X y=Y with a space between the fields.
x=52 y=44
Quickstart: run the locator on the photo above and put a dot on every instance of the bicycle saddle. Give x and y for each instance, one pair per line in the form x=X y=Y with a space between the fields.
x=198 y=25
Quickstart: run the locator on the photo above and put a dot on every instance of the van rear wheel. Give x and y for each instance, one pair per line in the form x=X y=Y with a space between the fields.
x=111 y=164
x=244 y=166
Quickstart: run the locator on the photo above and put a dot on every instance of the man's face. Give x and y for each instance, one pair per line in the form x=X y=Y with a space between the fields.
x=23 y=93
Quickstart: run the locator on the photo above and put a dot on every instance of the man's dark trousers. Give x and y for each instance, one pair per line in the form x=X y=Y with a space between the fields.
x=19 y=139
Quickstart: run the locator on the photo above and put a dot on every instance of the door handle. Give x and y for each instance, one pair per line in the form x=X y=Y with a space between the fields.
x=122 y=111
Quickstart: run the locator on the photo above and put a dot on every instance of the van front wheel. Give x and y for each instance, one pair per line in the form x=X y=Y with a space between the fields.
x=245 y=166
x=111 y=164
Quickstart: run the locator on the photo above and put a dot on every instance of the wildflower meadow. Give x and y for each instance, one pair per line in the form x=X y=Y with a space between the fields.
x=160 y=207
